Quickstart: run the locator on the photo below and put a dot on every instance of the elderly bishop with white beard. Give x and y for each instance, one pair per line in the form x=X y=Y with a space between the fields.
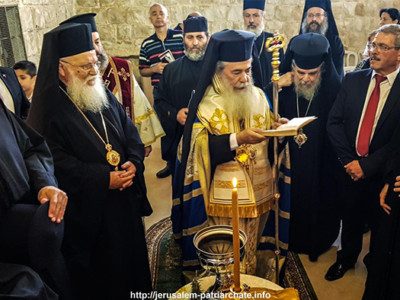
x=98 y=158
x=223 y=139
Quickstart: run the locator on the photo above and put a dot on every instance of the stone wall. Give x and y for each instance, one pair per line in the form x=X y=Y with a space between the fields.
x=37 y=18
x=123 y=24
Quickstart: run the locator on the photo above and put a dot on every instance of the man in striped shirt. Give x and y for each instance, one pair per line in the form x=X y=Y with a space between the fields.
x=163 y=39
x=150 y=64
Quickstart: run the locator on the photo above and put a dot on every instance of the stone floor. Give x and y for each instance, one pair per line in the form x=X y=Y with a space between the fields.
x=350 y=287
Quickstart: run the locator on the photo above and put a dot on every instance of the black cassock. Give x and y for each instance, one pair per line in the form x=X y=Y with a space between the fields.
x=265 y=57
x=337 y=51
x=26 y=164
x=383 y=270
x=104 y=240
x=175 y=88
x=314 y=215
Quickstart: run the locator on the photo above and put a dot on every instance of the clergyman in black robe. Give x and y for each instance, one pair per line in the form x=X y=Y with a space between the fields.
x=383 y=268
x=254 y=21
x=318 y=18
x=26 y=181
x=314 y=216
x=178 y=84
x=104 y=240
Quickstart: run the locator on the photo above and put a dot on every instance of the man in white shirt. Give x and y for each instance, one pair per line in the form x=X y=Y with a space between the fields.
x=360 y=125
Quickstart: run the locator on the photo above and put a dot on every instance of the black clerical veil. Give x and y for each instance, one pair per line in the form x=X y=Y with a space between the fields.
x=83 y=18
x=332 y=35
x=227 y=46
x=327 y=7
x=255 y=4
x=195 y=24
x=308 y=51
x=63 y=41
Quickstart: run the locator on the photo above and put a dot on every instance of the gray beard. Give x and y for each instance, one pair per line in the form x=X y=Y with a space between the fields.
x=307 y=92
x=195 y=56
x=86 y=97
x=257 y=31
x=322 y=29
x=103 y=59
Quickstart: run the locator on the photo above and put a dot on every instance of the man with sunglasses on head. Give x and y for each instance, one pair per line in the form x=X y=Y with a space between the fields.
x=361 y=124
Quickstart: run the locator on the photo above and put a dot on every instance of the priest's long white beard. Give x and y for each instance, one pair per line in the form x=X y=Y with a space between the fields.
x=239 y=102
x=87 y=97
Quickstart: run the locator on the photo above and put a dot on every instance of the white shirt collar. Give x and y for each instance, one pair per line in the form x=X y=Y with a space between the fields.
x=390 y=77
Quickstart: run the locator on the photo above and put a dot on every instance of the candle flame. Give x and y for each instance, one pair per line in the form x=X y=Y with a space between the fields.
x=234 y=182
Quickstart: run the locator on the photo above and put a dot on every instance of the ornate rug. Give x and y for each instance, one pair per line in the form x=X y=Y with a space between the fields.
x=165 y=264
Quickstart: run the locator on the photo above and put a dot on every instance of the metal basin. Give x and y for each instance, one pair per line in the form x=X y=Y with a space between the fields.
x=214 y=247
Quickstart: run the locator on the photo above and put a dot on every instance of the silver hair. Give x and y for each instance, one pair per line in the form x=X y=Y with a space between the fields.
x=322 y=65
x=220 y=66
x=372 y=34
x=393 y=29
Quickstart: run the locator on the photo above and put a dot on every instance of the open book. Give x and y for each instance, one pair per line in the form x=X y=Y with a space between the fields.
x=291 y=128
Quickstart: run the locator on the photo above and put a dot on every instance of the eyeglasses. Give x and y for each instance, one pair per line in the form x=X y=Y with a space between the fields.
x=86 y=67
x=380 y=47
x=318 y=16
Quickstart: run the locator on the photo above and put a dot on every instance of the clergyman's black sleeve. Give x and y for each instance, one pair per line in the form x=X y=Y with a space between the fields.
x=220 y=149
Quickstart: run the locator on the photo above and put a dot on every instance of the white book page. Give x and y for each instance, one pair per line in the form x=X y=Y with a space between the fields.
x=295 y=122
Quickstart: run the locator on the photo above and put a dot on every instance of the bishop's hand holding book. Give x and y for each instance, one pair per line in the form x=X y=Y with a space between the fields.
x=291 y=128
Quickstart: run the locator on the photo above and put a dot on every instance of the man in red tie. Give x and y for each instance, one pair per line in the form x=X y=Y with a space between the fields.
x=360 y=125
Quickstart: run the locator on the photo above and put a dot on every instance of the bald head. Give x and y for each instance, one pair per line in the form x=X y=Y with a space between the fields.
x=194 y=14
x=159 y=16
x=160 y=6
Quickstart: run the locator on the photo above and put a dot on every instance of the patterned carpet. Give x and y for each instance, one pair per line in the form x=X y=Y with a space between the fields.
x=165 y=264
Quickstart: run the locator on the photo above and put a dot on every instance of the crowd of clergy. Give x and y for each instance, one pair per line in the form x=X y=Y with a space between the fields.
x=76 y=131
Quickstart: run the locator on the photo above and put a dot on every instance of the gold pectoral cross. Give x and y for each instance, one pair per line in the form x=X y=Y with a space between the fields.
x=113 y=157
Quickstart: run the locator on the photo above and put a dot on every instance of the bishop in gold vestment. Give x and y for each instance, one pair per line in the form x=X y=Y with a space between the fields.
x=224 y=141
